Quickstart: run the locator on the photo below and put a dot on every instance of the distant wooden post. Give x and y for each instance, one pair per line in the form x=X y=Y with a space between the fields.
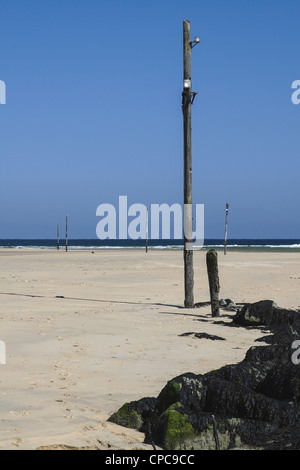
x=66 y=232
x=213 y=279
x=58 y=237
x=147 y=231
x=226 y=228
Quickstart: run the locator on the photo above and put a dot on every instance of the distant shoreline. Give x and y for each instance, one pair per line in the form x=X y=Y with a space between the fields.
x=243 y=245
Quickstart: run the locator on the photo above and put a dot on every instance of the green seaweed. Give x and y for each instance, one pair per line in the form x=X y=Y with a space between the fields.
x=127 y=417
x=169 y=395
x=178 y=429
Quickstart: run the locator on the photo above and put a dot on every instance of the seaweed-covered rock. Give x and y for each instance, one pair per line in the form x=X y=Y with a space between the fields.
x=173 y=428
x=187 y=389
x=250 y=405
x=178 y=428
x=262 y=354
x=245 y=373
x=287 y=438
x=182 y=418
x=282 y=382
x=229 y=399
x=255 y=314
x=134 y=414
x=266 y=313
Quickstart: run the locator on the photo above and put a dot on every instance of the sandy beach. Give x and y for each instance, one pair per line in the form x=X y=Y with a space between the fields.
x=87 y=331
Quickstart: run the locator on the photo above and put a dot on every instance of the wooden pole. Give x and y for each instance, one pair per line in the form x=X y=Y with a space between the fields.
x=213 y=279
x=187 y=131
x=147 y=231
x=66 y=232
x=58 y=237
x=226 y=229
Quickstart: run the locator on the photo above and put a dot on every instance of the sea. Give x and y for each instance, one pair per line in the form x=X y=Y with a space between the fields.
x=282 y=245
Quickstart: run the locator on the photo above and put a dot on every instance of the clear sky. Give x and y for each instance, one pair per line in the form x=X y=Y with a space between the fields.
x=93 y=111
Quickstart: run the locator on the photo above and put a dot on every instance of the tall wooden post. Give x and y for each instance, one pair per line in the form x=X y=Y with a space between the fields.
x=66 y=232
x=58 y=237
x=226 y=229
x=187 y=131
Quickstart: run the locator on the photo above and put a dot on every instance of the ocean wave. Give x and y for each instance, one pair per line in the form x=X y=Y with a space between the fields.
x=92 y=244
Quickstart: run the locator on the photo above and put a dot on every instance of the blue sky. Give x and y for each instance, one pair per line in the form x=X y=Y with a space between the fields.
x=93 y=111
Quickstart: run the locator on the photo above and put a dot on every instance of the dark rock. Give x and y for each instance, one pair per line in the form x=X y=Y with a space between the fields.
x=245 y=373
x=232 y=307
x=182 y=418
x=287 y=438
x=228 y=305
x=255 y=314
x=187 y=389
x=135 y=414
x=172 y=428
x=265 y=339
x=203 y=336
x=207 y=336
x=250 y=405
x=266 y=313
x=229 y=302
x=187 y=430
x=229 y=399
x=282 y=382
x=262 y=354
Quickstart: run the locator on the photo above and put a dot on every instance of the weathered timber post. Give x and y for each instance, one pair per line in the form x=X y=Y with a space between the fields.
x=213 y=279
x=226 y=229
x=188 y=218
x=147 y=231
x=58 y=237
x=66 y=232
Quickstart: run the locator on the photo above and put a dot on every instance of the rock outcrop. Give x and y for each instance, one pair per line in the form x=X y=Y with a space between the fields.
x=254 y=404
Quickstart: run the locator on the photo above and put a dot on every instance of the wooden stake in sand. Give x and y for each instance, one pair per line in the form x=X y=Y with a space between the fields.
x=58 y=237
x=226 y=228
x=66 y=232
x=213 y=279
x=147 y=231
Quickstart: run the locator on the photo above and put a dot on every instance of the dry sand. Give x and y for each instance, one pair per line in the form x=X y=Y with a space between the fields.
x=85 y=332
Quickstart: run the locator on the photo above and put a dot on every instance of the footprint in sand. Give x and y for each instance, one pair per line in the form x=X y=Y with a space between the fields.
x=80 y=348
x=20 y=413
x=16 y=442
